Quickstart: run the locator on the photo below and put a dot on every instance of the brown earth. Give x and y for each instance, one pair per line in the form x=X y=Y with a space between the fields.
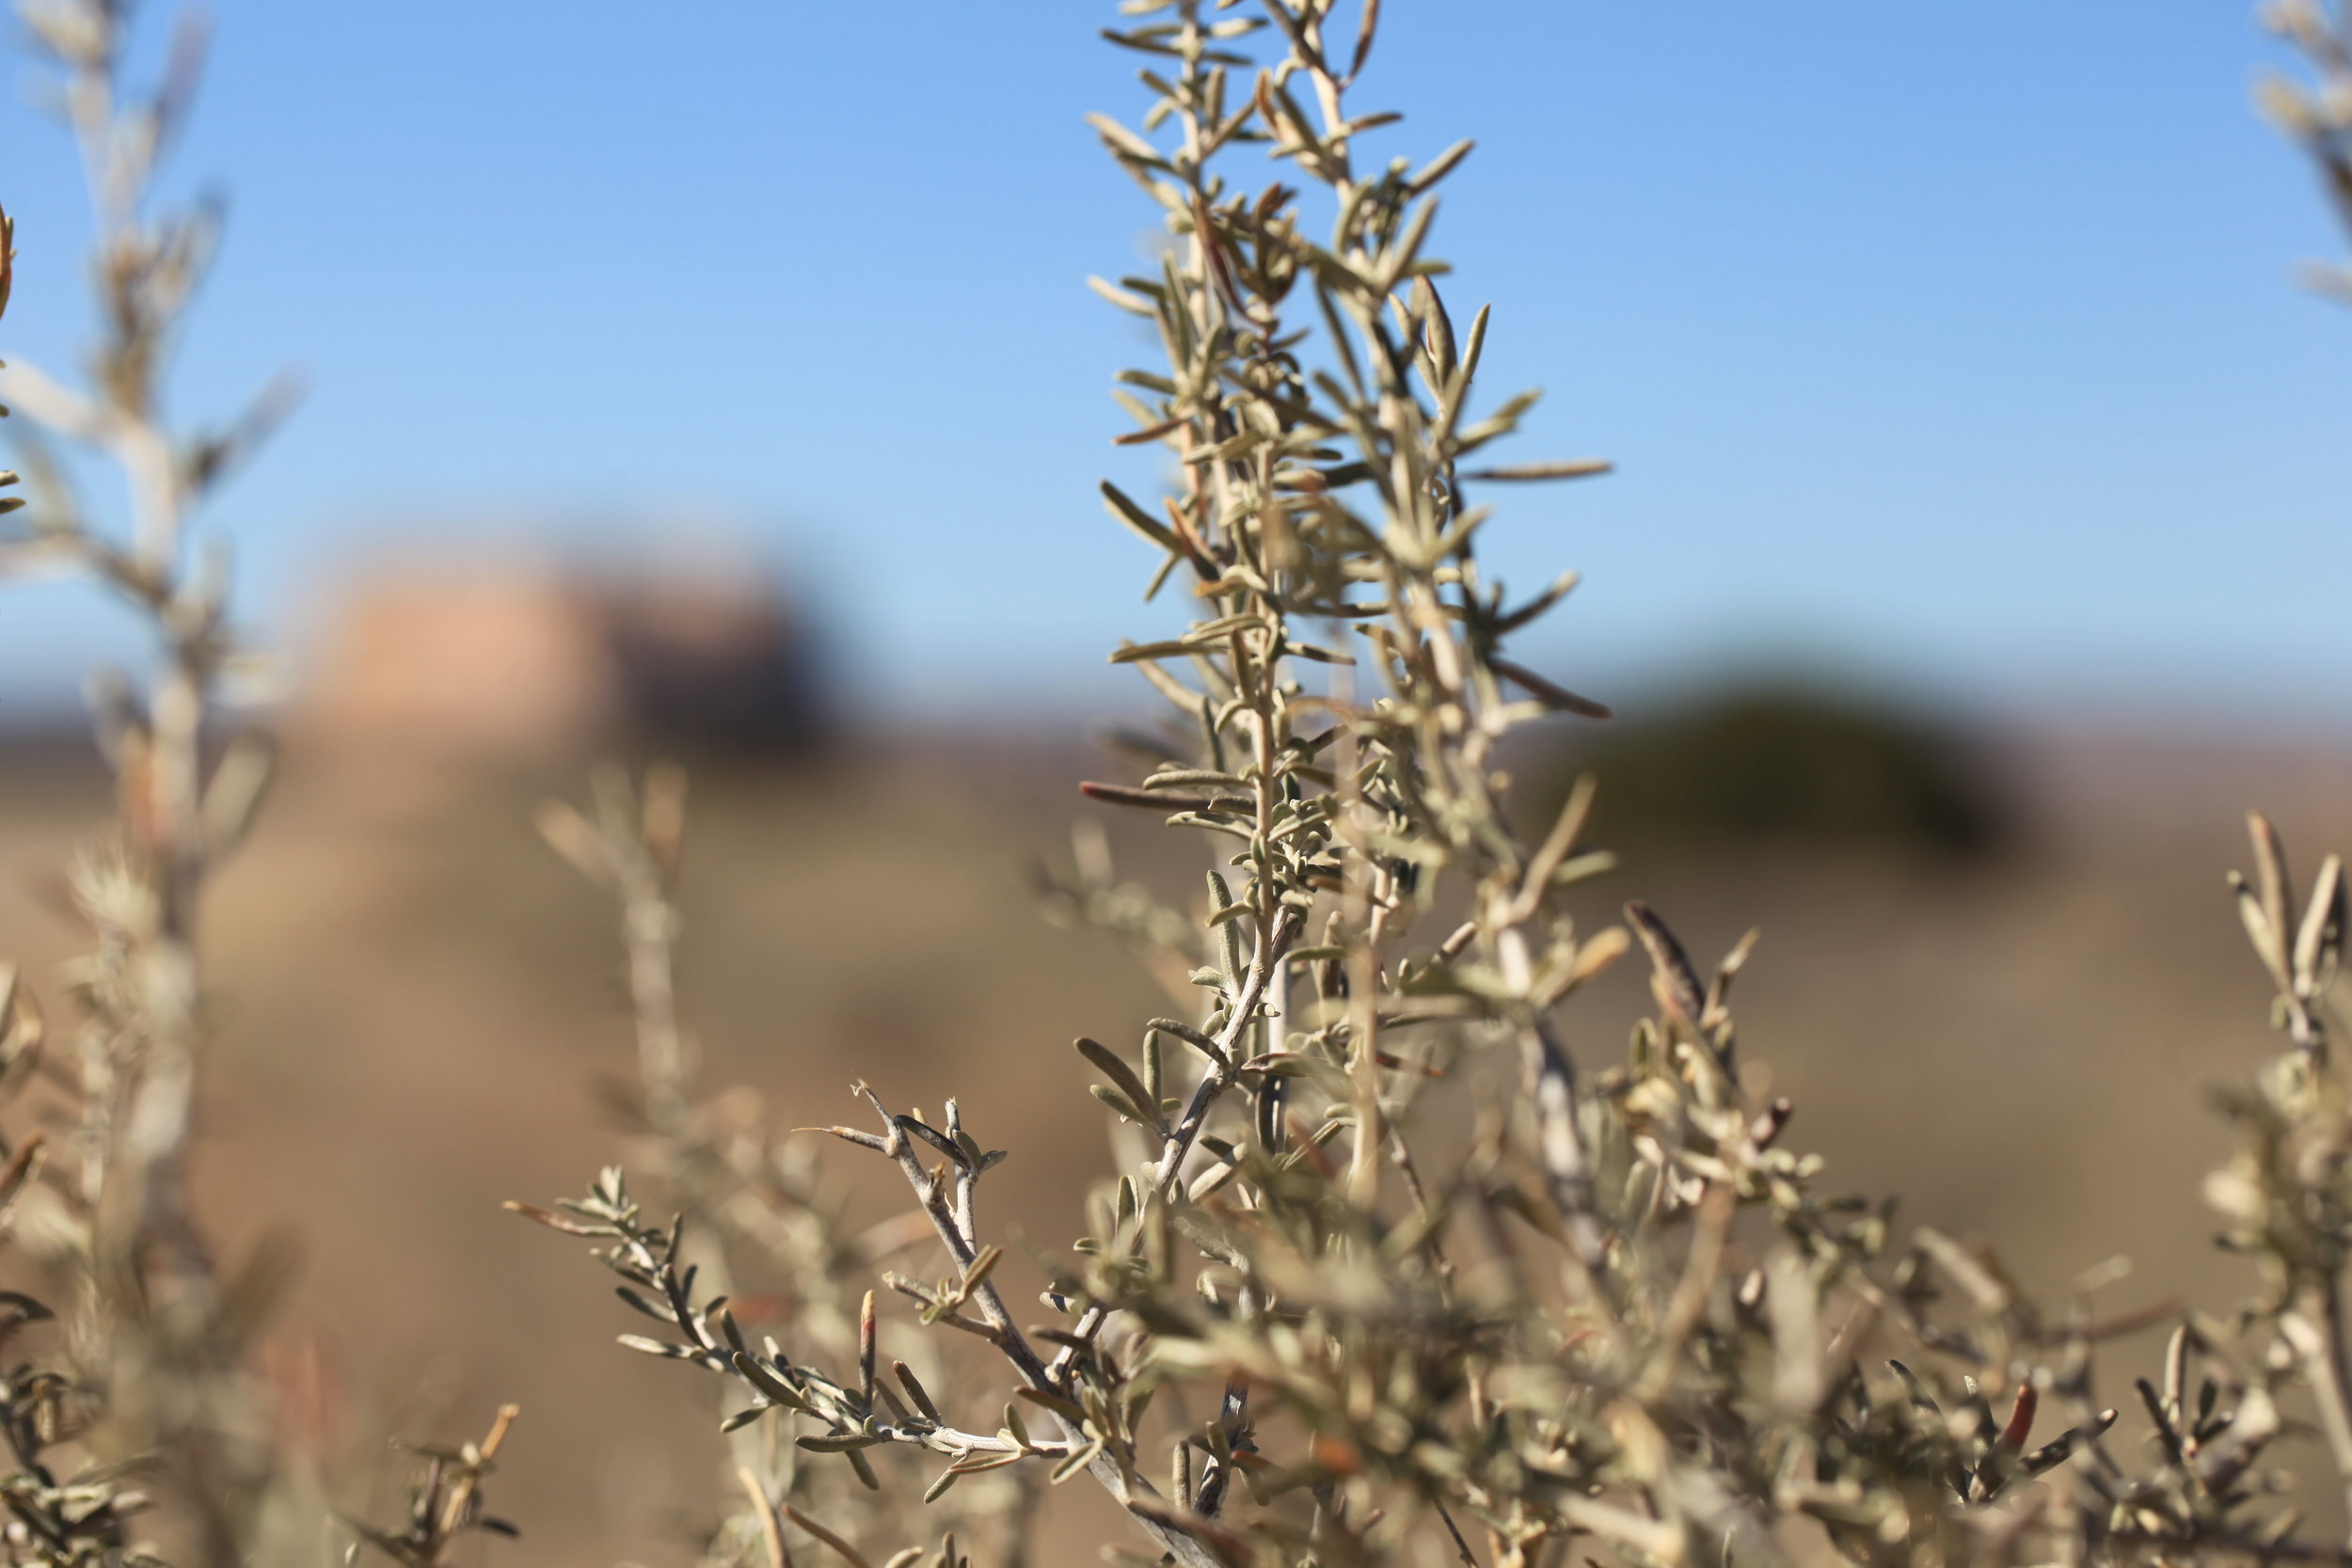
x=417 y=998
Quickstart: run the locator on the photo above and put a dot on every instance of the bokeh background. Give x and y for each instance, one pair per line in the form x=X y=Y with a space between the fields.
x=718 y=382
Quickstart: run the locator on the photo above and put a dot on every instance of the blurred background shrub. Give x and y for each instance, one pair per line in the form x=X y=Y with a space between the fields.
x=1777 y=765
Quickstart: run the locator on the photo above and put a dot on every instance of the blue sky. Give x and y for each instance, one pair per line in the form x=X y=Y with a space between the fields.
x=1954 y=345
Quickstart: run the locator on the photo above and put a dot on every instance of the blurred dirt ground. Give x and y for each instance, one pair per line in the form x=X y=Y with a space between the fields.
x=416 y=999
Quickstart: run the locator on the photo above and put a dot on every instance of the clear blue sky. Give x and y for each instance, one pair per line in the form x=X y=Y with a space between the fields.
x=1954 y=343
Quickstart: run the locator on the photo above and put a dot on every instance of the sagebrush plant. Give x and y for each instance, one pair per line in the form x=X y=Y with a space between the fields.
x=131 y=1387
x=2318 y=116
x=1616 y=1322
x=1620 y=1323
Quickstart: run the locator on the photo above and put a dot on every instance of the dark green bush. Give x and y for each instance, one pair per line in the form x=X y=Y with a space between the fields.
x=1778 y=765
